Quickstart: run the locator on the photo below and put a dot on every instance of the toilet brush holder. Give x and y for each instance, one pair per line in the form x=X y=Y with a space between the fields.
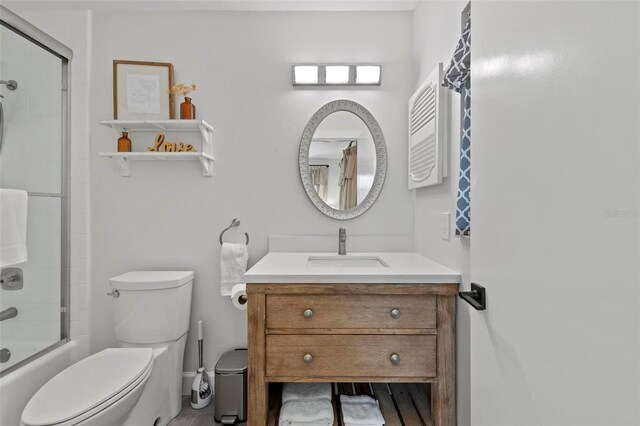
x=201 y=391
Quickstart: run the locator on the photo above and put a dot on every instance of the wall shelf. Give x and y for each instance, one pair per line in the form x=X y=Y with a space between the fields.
x=123 y=159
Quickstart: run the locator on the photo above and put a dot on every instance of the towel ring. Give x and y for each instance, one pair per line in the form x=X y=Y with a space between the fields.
x=234 y=223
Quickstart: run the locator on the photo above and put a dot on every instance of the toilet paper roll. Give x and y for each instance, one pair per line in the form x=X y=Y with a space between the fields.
x=239 y=296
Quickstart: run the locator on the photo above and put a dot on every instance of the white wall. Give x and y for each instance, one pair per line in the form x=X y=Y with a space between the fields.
x=556 y=178
x=73 y=28
x=437 y=28
x=166 y=215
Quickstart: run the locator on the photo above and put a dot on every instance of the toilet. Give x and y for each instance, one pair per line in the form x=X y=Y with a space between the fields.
x=137 y=383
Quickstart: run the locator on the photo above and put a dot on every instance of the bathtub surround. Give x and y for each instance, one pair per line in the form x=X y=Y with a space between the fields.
x=74 y=29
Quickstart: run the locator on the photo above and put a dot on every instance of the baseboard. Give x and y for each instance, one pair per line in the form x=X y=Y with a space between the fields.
x=187 y=380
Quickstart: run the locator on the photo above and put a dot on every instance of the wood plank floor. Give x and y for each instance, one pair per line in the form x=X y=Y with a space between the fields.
x=401 y=404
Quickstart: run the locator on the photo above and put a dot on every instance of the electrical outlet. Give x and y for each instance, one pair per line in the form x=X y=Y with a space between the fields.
x=445 y=226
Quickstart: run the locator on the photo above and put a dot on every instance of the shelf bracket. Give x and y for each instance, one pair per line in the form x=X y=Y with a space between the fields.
x=118 y=129
x=207 y=165
x=207 y=133
x=124 y=165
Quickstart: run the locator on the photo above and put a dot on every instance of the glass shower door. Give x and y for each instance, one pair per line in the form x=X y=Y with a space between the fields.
x=32 y=159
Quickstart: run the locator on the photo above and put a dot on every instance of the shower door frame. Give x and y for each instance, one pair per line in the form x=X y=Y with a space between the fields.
x=31 y=33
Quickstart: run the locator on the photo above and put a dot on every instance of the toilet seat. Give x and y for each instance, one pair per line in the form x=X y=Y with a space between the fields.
x=89 y=387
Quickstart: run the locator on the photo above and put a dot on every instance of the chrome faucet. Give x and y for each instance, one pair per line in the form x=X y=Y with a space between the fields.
x=342 y=241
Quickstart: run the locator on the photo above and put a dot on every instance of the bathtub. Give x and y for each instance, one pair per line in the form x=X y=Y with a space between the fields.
x=17 y=387
x=21 y=349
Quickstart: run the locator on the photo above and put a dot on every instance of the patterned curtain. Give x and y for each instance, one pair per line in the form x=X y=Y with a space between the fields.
x=457 y=77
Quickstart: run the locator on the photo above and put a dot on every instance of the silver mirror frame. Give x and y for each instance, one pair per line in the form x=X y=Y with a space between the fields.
x=381 y=158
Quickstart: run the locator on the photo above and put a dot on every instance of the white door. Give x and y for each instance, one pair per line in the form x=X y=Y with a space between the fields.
x=555 y=199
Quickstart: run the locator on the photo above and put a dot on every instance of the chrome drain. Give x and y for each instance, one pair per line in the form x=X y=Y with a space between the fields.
x=5 y=354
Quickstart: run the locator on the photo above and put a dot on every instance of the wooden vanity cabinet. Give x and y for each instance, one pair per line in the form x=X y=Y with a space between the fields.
x=352 y=333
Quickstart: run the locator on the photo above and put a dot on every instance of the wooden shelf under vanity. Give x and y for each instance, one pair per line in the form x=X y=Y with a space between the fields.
x=348 y=334
x=400 y=403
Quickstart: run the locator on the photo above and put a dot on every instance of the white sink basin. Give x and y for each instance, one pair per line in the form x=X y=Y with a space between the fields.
x=345 y=262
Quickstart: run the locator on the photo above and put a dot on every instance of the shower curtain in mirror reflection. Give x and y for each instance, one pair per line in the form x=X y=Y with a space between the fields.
x=320 y=180
x=348 y=178
x=457 y=77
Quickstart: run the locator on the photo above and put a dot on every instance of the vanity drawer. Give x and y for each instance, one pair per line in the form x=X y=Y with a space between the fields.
x=351 y=311
x=343 y=356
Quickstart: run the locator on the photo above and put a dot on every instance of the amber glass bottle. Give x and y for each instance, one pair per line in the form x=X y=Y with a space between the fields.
x=124 y=143
x=187 y=109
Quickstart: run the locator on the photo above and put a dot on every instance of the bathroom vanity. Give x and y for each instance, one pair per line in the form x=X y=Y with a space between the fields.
x=383 y=318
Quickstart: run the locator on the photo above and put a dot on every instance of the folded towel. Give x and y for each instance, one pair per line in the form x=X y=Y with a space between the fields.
x=306 y=412
x=13 y=226
x=353 y=424
x=296 y=391
x=360 y=410
x=233 y=265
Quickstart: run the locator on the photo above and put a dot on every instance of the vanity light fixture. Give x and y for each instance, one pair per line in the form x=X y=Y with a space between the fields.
x=337 y=75
x=368 y=74
x=305 y=74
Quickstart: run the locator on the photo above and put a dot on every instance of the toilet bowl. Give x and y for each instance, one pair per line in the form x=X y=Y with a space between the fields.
x=138 y=383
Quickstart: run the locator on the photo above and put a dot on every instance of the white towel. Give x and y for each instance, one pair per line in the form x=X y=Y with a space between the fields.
x=303 y=412
x=233 y=265
x=13 y=226
x=296 y=391
x=356 y=424
x=360 y=410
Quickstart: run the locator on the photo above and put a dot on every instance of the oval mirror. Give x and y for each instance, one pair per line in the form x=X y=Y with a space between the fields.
x=343 y=159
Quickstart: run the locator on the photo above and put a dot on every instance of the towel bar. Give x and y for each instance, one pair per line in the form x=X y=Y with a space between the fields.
x=476 y=297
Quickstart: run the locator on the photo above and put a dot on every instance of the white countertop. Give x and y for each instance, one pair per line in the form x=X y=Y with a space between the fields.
x=403 y=268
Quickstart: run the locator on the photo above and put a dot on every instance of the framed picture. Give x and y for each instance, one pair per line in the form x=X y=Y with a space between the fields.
x=140 y=90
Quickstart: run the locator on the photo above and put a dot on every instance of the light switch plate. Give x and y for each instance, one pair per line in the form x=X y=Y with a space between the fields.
x=445 y=226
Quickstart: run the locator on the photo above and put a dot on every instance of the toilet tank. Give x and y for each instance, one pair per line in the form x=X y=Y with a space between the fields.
x=152 y=306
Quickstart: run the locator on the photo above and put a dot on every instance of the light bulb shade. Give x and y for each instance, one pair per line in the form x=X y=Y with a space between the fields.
x=337 y=74
x=305 y=74
x=368 y=74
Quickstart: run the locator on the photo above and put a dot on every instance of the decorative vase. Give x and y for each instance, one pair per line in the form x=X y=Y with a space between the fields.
x=187 y=109
x=124 y=143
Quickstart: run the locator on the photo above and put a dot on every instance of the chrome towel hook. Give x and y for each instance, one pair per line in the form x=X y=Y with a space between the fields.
x=234 y=223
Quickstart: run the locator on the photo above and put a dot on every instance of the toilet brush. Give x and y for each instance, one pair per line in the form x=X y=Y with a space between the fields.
x=201 y=392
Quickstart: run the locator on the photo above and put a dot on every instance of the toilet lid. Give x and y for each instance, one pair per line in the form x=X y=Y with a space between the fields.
x=86 y=384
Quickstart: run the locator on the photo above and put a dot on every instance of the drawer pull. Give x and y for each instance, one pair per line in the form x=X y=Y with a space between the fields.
x=308 y=313
x=395 y=313
x=308 y=359
x=395 y=359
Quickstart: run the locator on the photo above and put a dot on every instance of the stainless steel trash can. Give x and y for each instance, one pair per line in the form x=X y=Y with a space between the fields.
x=231 y=388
